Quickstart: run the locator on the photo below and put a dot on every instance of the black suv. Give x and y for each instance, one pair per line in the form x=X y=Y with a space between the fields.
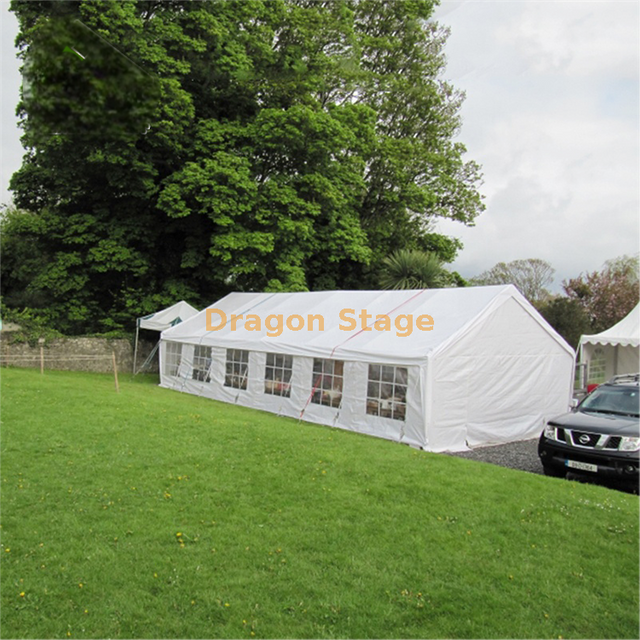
x=600 y=436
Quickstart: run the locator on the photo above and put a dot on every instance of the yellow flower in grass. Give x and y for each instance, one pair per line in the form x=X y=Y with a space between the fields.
x=22 y=594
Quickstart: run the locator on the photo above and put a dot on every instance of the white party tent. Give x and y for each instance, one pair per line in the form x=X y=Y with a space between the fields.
x=480 y=365
x=614 y=351
x=161 y=320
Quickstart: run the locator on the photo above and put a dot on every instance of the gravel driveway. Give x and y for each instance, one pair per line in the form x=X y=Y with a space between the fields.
x=521 y=455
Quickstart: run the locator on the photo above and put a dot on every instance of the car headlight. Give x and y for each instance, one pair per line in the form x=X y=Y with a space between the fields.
x=629 y=444
x=550 y=432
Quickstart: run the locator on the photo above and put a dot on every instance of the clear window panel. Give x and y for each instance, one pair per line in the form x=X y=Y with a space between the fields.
x=387 y=391
x=387 y=373
x=173 y=357
x=201 y=363
x=236 y=369
x=597 y=367
x=326 y=382
x=277 y=375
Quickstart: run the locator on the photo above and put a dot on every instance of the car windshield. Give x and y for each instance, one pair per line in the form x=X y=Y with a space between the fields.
x=617 y=400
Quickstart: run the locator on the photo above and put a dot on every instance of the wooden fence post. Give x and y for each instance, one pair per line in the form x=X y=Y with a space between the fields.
x=115 y=371
x=41 y=343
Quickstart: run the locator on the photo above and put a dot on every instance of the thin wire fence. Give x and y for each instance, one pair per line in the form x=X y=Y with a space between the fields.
x=7 y=359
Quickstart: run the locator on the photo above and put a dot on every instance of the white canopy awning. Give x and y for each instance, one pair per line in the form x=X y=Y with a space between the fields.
x=161 y=320
x=169 y=317
x=625 y=333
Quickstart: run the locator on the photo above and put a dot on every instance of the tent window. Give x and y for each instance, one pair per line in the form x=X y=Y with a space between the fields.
x=277 y=375
x=201 y=363
x=387 y=391
x=173 y=355
x=327 y=382
x=598 y=366
x=237 y=370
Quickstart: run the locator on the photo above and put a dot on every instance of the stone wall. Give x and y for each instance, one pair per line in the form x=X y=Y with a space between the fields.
x=76 y=354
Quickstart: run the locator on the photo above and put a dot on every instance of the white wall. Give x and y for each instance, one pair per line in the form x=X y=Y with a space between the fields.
x=351 y=415
x=626 y=360
x=499 y=382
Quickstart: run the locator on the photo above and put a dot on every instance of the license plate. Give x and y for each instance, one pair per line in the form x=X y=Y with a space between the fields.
x=583 y=466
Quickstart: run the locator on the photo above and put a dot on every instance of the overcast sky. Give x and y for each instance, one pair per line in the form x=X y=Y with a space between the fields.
x=552 y=115
x=10 y=148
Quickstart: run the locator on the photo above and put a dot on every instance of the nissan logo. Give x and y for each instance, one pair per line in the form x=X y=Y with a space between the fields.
x=584 y=439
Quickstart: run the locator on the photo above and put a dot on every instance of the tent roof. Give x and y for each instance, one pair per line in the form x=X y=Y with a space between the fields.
x=626 y=332
x=454 y=312
x=169 y=317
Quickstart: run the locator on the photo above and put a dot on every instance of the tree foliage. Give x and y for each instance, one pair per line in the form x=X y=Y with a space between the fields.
x=608 y=295
x=413 y=270
x=531 y=277
x=185 y=149
x=567 y=317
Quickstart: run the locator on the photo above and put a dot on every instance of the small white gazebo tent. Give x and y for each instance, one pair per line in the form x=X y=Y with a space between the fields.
x=487 y=369
x=614 y=351
x=161 y=320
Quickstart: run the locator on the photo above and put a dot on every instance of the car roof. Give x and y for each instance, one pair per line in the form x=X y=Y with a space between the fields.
x=627 y=379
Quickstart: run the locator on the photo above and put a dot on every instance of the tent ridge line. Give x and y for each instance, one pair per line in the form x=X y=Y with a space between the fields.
x=257 y=304
x=539 y=318
x=387 y=314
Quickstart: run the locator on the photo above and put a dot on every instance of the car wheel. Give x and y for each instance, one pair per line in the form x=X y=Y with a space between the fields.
x=554 y=472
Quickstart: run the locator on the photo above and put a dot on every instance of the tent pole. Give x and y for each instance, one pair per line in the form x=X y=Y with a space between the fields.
x=582 y=368
x=135 y=348
x=146 y=363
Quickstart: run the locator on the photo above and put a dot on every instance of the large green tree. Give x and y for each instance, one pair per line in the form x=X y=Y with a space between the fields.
x=182 y=149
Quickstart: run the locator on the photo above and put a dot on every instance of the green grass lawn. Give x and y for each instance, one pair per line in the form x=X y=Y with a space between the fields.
x=155 y=514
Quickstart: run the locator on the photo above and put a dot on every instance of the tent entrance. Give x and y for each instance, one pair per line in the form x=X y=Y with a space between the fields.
x=159 y=321
x=148 y=360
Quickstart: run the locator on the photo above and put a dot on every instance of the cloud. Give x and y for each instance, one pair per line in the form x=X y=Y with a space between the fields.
x=10 y=80
x=552 y=115
x=577 y=38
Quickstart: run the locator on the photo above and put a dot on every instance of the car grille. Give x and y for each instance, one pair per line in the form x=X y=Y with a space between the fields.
x=589 y=440
x=584 y=439
x=613 y=442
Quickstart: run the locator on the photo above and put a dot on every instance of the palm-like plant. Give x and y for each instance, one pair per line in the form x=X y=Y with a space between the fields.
x=411 y=269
